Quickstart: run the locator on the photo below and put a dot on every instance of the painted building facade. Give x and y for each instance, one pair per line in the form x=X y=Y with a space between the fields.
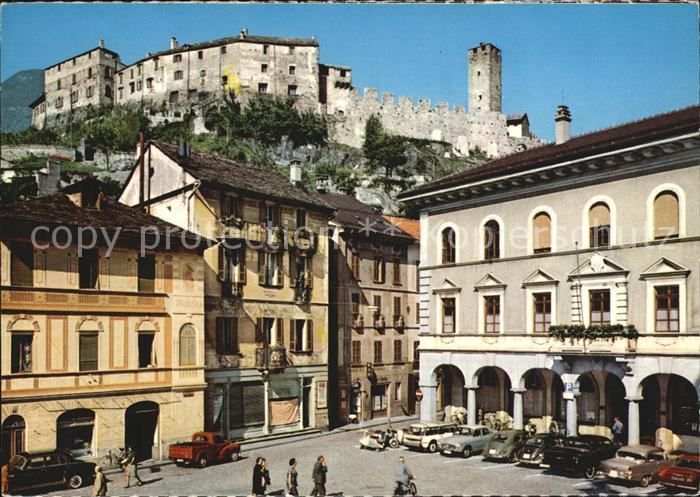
x=598 y=230
x=374 y=306
x=266 y=286
x=104 y=347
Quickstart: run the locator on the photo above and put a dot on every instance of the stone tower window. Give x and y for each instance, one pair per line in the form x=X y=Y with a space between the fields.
x=292 y=90
x=200 y=54
x=292 y=70
x=177 y=58
x=263 y=68
x=262 y=87
x=291 y=50
x=178 y=75
x=223 y=50
x=266 y=48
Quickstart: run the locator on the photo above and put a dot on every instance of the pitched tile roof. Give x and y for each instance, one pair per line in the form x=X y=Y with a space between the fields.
x=410 y=226
x=243 y=178
x=626 y=135
x=353 y=214
x=59 y=210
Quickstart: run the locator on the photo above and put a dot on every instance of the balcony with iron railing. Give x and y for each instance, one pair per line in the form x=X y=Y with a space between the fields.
x=69 y=300
x=303 y=288
x=235 y=228
x=399 y=322
x=271 y=357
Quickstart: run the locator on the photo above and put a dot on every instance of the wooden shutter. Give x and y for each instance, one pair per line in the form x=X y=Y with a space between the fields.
x=542 y=236
x=262 y=270
x=309 y=335
x=241 y=265
x=219 y=335
x=259 y=332
x=293 y=268
x=263 y=212
x=292 y=335
x=280 y=331
x=222 y=262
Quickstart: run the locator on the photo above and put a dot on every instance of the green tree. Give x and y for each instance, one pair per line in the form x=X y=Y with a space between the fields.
x=382 y=150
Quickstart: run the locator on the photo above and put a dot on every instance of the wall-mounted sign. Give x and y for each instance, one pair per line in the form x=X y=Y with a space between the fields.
x=321 y=394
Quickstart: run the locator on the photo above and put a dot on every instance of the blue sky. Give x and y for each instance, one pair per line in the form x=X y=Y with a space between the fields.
x=608 y=63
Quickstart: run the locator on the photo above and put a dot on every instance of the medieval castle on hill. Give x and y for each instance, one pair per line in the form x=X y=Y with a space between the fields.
x=188 y=78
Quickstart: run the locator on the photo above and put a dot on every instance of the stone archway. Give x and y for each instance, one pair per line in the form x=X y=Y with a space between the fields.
x=669 y=401
x=140 y=428
x=13 y=437
x=542 y=391
x=450 y=387
x=494 y=390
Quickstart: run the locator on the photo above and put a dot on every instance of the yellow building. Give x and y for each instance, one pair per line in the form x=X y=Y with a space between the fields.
x=266 y=286
x=102 y=345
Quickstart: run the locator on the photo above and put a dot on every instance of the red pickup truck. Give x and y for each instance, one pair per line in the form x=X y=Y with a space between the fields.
x=204 y=449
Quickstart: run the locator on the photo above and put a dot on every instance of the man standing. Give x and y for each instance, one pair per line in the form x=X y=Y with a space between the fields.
x=402 y=477
x=319 y=477
x=617 y=429
x=292 y=484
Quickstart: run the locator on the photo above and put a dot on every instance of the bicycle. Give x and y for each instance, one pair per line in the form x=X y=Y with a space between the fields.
x=112 y=459
x=401 y=489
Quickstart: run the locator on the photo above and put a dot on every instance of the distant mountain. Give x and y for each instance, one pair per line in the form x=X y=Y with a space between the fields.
x=16 y=93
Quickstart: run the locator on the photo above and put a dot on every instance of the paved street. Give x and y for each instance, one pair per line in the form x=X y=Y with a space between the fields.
x=353 y=471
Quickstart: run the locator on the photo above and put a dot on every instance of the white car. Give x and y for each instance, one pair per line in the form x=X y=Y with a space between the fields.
x=425 y=436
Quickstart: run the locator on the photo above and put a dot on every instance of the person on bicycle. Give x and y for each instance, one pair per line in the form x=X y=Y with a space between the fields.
x=403 y=477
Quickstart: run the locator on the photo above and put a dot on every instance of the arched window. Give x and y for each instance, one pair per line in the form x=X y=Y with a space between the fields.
x=108 y=91
x=448 y=246
x=599 y=225
x=541 y=233
x=188 y=346
x=13 y=433
x=492 y=240
x=666 y=215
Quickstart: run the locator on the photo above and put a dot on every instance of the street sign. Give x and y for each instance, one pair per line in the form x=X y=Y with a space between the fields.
x=568 y=387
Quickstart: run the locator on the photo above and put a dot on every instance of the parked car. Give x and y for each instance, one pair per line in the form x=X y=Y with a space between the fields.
x=505 y=445
x=684 y=475
x=466 y=441
x=639 y=463
x=47 y=469
x=533 y=451
x=425 y=436
x=582 y=454
x=204 y=449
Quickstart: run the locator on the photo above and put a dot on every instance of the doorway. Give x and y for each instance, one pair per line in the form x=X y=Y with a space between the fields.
x=13 y=430
x=306 y=403
x=141 y=423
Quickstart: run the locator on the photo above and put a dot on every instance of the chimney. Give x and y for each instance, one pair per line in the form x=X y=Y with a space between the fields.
x=244 y=33
x=322 y=184
x=562 y=122
x=173 y=43
x=102 y=43
x=295 y=172
x=183 y=148
x=48 y=180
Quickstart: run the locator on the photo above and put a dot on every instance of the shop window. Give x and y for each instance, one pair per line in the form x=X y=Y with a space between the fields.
x=379 y=401
x=74 y=431
x=246 y=404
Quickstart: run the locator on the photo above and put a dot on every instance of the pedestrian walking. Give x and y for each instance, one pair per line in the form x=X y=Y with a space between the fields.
x=131 y=468
x=319 y=477
x=261 y=476
x=292 y=482
x=99 y=488
x=617 y=429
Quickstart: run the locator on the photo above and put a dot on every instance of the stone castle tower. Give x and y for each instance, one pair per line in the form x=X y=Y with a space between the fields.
x=484 y=76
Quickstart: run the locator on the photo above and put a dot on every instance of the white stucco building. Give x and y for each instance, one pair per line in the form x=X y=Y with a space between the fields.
x=599 y=230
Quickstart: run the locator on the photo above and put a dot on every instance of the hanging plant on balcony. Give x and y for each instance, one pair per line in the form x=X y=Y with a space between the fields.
x=233 y=220
x=609 y=332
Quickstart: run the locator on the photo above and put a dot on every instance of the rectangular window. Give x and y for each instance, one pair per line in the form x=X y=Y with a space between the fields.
x=378 y=398
x=121 y=78
x=21 y=265
x=226 y=335
x=417 y=264
x=88 y=352
x=89 y=72
x=542 y=312
x=416 y=354
x=132 y=87
x=492 y=314
x=147 y=273
x=246 y=404
x=291 y=50
x=88 y=92
x=356 y=354
x=138 y=70
x=73 y=97
x=398 y=356
x=262 y=87
x=600 y=236
x=355 y=306
x=265 y=48
x=300 y=335
x=223 y=50
x=149 y=83
x=73 y=79
x=396 y=273
x=355 y=265
x=377 y=301
x=178 y=75
x=270 y=268
x=377 y=352
x=343 y=73
x=174 y=97
x=301 y=218
x=138 y=86
x=263 y=67
x=397 y=391
x=600 y=307
x=21 y=360
x=448 y=315
x=131 y=74
x=292 y=90
x=147 y=356
x=397 y=308
x=58 y=84
x=292 y=70
x=177 y=57
x=200 y=54
x=667 y=308
x=379 y=269
x=88 y=268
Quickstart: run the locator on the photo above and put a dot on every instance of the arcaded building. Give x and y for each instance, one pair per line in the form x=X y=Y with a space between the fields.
x=101 y=347
x=564 y=281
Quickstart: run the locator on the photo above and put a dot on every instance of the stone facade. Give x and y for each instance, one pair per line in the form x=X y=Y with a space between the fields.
x=86 y=80
x=94 y=369
x=171 y=83
x=486 y=313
